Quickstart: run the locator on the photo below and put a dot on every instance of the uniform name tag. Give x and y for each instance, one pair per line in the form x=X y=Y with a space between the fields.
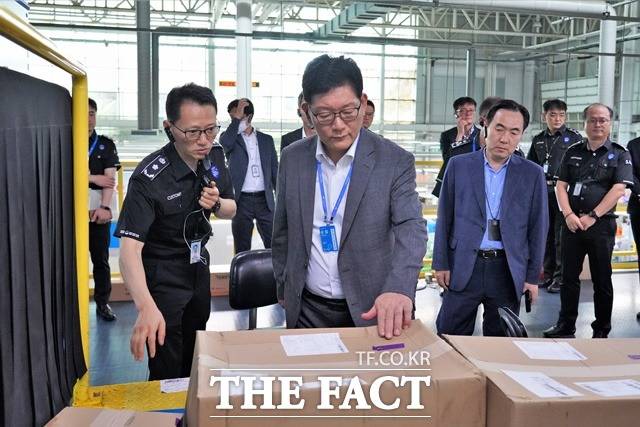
x=195 y=251
x=494 y=230
x=328 y=238
x=577 y=189
x=255 y=171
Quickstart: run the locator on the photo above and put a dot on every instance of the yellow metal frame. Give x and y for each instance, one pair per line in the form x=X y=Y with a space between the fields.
x=140 y=396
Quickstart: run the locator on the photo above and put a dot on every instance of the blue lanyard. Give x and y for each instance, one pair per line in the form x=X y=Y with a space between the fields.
x=93 y=145
x=324 y=196
x=475 y=139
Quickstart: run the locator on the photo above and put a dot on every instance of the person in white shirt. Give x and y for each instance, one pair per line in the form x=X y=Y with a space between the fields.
x=253 y=164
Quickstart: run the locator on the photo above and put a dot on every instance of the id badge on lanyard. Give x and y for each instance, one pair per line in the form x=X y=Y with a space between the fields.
x=328 y=235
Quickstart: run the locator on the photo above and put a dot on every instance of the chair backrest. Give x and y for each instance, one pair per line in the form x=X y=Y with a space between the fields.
x=251 y=281
x=511 y=323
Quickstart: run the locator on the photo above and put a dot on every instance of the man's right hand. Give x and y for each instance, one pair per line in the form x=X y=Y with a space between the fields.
x=103 y=181
x=150 y=328
x=573 y=223
x=443 y=278
x=238 y=112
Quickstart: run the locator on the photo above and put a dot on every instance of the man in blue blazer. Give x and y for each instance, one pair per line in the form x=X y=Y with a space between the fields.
x=491 y=229
x=253 y=164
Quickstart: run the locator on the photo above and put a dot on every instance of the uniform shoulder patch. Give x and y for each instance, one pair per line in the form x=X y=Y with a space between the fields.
x=574 y=145
x=157 y=165
x=618 y=146
x=574 y=131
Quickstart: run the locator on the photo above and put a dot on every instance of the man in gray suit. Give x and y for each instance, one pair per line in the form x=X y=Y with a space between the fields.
x=492 y=227
x=253 y=164
x=348 y=237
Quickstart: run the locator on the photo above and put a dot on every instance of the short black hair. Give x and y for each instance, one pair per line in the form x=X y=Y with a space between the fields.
x=248 y=110
x=554 y=104
x=486 y=105
x=463 y=100
x=370 y=102
x=325 y=73
x=93 y=105
x=190 y=92
x=596 y=104
x=509 y=105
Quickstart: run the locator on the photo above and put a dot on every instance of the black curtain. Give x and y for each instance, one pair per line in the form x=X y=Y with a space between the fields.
x=40 y=346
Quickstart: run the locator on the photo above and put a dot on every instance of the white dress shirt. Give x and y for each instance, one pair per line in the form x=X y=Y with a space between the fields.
x=323 y=278
x=254 y=178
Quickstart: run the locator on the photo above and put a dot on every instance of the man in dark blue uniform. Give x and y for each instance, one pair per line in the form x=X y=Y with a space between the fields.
x=592 y=177
x=103 y=164
x=547 y=149
x=633 y=208
x=164 y=226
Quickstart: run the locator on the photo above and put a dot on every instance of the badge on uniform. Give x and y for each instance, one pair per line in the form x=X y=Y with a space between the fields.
x=328 y=238
x=566 y=139
x=494 y=230
x=577 y=189
x=610 y=156
x=255 y=171
x=195 y=248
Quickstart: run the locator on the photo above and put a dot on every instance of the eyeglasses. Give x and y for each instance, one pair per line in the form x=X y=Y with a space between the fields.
x=195 y=134
x=327 y=117
x=465 y=110
x=600 y=121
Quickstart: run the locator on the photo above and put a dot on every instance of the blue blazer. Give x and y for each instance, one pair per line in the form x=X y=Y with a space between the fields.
x=238 y=158
x=462 y=219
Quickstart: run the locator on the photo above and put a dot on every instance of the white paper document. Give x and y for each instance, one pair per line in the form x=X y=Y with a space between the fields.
x=541 y=385
x=549 y=350
x=174 y=385
x=613 y=388
x=311 y=344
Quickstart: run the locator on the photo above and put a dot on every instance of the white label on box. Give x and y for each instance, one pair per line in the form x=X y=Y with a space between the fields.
x=613 y=388
x=174 y=385
x=312 y=344
x=549 y=350
x=113 y=418
x=541 y=385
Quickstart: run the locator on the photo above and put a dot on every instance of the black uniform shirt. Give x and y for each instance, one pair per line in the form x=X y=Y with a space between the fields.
x=549 y=148
x=591 y=174
x=162 y=191
x=104 y=155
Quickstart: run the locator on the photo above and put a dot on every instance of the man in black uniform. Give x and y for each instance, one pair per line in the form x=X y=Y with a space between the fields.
x=464 y=134
x=547 y=149
x=103 y=164
x=633 y=208
x=592 y=177
x=164 y=226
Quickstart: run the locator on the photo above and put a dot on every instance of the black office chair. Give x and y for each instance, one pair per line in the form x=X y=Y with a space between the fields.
x=511 y=324
x=251 y=282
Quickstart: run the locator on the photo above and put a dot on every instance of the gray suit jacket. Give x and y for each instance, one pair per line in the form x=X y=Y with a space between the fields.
x=462 y=219
x=236 y=151
x=383 y=238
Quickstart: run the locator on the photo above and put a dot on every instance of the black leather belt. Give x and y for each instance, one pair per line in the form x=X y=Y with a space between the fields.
x=252 y=193
x=491 y=253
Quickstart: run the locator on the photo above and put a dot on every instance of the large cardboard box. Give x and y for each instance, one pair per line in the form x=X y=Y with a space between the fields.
x=586 y=382
x=454 y=396
x=101 y=417
x=219 y=280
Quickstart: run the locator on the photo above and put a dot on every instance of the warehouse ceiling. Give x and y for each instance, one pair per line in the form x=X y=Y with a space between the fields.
x=420 y=23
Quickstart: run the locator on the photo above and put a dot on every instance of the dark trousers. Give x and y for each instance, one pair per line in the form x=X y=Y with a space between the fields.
x=99 y=238
x=634 y=217
x=553 y=253
x=490 y=285
x=597 y=242
x=320 y=312
x=250 y=206
x=181 y=292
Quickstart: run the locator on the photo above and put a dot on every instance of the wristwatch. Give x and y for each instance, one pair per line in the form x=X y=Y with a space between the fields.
x=107 y=208
x=593 y=215
x=216 y=207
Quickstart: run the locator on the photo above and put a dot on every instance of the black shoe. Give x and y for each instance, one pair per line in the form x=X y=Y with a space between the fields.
x=104 y=311
x=638 y=316
x=554 y=288
x=559 y=330
x=545 y=284
x=600 y=334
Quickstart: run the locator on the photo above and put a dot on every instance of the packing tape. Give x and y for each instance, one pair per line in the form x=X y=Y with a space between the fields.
x=603 y=371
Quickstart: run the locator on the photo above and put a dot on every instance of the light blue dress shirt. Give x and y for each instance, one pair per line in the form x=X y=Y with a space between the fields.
x=493 y=186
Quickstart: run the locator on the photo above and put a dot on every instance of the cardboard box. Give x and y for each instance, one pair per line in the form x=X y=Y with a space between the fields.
x=513 y=402
x=454 y=397
x=119 y=291
x=219 y=280
x=100 y=417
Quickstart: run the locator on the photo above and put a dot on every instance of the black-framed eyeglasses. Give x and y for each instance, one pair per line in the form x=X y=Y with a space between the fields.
x=327 y=117
x=195 y=134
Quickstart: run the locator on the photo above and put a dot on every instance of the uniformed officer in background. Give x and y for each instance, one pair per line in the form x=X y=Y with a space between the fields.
x=592 y=177
x=547 y=149
x=633 y=208
x=164 y=226
x=103 y=164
